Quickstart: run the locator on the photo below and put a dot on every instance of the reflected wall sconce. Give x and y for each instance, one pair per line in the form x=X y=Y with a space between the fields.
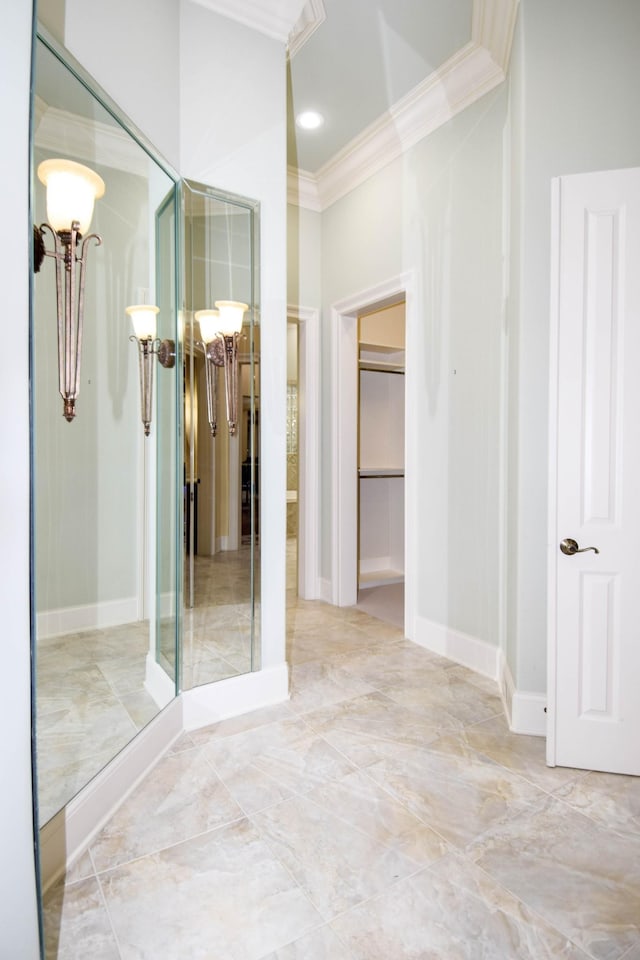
x=220 y=331
x=72 y=190
x=143 y=318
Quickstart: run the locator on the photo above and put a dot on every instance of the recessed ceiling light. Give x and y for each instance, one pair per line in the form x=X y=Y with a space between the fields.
x=309 y=120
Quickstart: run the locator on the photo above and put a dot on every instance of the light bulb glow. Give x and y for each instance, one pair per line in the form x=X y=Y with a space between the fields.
x=143 y=318
x=209 y=322
x=309 y=120
x=231 y=315
x=72 y=189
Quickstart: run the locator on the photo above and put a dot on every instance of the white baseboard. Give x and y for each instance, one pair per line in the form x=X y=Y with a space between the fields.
x=158 y=683
x=325 y=590
x=478 y=655
x=70 y=831
x=212 y=702
x=525 y=711
x=89 y=616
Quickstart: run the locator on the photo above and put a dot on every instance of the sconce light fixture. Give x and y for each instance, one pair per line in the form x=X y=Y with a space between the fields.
x=71 y=192
x=208 y=321
x=220 y=330
x=143 y=318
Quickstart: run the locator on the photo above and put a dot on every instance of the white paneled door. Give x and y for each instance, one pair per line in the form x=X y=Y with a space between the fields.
x=594 y=594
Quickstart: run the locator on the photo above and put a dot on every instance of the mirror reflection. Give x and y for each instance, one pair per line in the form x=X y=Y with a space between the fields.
x=221 y=435
x=105 y=576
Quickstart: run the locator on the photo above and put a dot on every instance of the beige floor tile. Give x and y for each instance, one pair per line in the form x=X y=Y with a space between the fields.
x=317 y=684
x=453 y=789
x=181 y=797
x=520 y=754
x=262 y=766
x=76 y=923
x=576 y=875
x=609 y=799
x=220 y=895
x=337 y=861
x=451 y=911
x=322 y=944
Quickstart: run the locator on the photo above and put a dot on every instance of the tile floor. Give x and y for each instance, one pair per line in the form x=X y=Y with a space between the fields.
x=384 y=813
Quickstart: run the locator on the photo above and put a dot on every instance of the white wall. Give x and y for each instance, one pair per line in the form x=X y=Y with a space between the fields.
x=18 y=909
x=437 y=213
x=575 y=78
x=131 y=50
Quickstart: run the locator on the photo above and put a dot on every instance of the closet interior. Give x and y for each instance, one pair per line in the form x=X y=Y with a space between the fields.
x=381 y=409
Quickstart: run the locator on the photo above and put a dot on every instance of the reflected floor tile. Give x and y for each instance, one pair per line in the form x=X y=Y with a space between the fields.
x=76 y=923
x=316 y=684
x=450 y=911
x=222 y=895
x=372 y=726
x=268 y=764
x=60 y=780
x=181 y=797
x=322 y=944
x=453 y=789
x=519 y=753
x=337 y=862
x=611 y=799
x=578 y=876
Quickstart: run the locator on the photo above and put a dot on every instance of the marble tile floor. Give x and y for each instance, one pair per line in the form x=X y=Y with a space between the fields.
x=384 y=812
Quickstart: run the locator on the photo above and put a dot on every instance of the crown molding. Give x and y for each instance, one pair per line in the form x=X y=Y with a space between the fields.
x=465 y=77
x=83 y=139
x=312 y=16
x=275 y=20
x=302 y=190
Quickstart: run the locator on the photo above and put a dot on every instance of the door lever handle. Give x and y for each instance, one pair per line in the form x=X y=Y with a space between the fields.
x=569 y=547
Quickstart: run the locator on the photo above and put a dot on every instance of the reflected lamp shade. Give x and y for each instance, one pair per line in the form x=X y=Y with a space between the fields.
x=72 y=190
x=209 y=323
x=143 y=319
x=231 y=316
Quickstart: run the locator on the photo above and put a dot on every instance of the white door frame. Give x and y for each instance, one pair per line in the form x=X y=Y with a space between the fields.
x=344 y=492
x=308 y=320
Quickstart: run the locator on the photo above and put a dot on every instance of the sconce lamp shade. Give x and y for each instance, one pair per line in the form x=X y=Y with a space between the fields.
x=72 y=189
x=231 y=315
x=209 y=322
x=143 y=318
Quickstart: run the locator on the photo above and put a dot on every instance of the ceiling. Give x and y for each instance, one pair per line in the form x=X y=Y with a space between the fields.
x=383 y=73
x=365 y=57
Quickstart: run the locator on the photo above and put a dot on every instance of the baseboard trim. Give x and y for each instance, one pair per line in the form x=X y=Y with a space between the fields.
x=212 y=702
x=158 y=683
x=89 y=616
x=478 y=655
x=69 y=832
x=325 y=591
x=525 y=712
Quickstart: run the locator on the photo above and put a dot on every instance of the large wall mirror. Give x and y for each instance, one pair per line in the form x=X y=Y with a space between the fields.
x=107 y=499
x=145 y=432
x=221 y=436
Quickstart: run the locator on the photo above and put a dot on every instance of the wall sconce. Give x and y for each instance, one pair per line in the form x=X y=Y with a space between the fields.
x=219 y=337
x=71 y=192
x=209 y=321
x=143 y=318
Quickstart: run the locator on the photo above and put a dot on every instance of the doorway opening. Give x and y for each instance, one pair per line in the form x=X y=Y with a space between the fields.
x=381 y=416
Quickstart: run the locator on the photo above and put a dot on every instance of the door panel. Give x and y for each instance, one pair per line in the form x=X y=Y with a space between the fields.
x=594 y=710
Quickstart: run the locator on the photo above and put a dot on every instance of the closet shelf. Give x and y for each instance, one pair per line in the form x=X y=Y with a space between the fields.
x=381 y=366
x=370 y=472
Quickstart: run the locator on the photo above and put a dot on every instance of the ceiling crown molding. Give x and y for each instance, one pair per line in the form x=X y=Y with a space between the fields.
x=275 y=20
x=473 y=71
x=66 y=134
x=312 y=16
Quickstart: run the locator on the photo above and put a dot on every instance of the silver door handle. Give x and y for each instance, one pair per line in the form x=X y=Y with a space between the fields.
x=569 y=547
